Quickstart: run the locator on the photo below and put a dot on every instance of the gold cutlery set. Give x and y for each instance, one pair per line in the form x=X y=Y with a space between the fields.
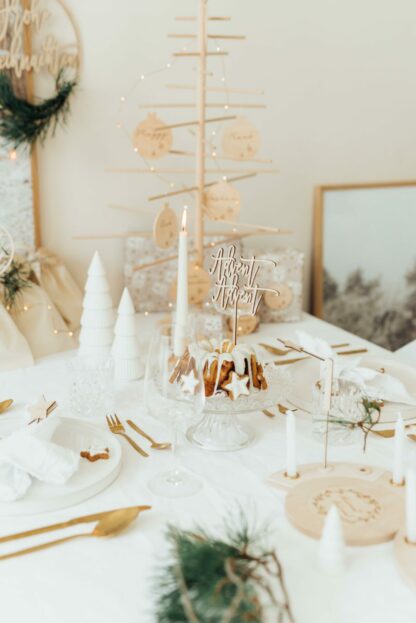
x=117 y=428
x=280 y=352
x=108 y=523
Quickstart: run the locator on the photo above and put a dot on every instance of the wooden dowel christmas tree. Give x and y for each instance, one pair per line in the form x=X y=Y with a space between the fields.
x=97 y=320
x=128 y=365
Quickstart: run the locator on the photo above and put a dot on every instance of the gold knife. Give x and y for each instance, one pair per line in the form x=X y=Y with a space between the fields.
x=66 y=524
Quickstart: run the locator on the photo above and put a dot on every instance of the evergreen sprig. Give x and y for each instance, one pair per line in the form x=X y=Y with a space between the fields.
x=16 y=277
x=210 y=580
x=22 y=122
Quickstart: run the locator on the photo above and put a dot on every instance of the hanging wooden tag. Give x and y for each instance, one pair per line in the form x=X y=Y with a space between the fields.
x=222 y=202
x=199 y=284
x=165 y=228
x=241 y=140
x=152 y=138
x=279 y=301
x=246 y=324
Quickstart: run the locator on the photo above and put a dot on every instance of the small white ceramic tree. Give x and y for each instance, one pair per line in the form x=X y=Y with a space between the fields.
x=331 y=553
x=97 y=320
x=128 y=365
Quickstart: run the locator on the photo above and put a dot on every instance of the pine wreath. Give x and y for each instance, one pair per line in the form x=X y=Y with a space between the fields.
x=24 y=123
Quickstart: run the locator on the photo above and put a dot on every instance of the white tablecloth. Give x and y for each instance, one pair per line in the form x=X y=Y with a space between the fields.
x=112 y=580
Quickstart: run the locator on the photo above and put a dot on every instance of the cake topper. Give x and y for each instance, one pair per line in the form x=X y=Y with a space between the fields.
x=236 y=282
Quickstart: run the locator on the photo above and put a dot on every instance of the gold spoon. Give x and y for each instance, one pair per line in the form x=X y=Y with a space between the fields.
x=153 y=444
x=5 y=404
x=111 y=524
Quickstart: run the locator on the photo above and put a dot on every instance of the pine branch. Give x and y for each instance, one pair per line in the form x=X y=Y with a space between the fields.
x=22 y=122
x=209 y=580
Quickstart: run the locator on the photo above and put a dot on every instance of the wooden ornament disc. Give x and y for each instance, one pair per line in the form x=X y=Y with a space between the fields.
x=405 y=554
x=152 y=139
x=241 y=140
x=222 y=201
x=279 y=301
x=246 y=324
x=165 y=228
x=199 y=285
x=370 y=512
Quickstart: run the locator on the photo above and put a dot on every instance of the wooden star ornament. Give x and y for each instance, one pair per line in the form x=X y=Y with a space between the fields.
x=237 y=386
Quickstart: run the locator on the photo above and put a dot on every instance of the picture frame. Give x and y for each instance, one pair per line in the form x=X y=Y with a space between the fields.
x=357 y=282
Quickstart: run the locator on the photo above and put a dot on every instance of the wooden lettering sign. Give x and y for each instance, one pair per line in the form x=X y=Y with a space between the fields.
x=236 y=280
x=46 y=52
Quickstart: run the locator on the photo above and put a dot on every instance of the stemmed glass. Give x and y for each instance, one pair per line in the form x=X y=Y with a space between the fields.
x=176 y=399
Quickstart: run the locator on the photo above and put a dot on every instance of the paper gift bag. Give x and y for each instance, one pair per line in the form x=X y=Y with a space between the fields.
x=14 y=349
x=40 y=322
x=59 y=284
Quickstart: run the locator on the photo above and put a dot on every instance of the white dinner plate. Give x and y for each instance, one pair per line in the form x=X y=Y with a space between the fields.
x=90 y=478
x=306 y=373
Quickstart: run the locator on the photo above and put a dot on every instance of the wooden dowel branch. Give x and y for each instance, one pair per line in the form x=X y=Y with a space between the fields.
x=225 y=105
x=221 y=171
x=195 y=188
x=177 y=54
x=190 y=87
x=188 y=123
x=272 y=230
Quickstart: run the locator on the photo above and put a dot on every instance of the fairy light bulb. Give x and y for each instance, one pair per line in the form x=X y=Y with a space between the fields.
x=213 y=133
x=135 y=149
x=226 y=107
x=70 y=334
x=224 y=178
x=168 y=65
x=55 y=331
x=13 y=154
x=223 y=79
x=142 y=77
x=122 y=98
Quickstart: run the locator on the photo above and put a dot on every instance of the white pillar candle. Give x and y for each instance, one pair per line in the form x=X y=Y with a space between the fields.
x=398 y=460
x=291 y=470
x=181 y=316
x=411 y=505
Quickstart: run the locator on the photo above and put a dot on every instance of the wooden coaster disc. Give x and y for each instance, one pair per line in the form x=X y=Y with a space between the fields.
x=152 y=139
x=405 y=554
x=371 y=512
x=279 y=301
x=165 y=228
x=222 y=201
x=199 y=285
x=241 y=140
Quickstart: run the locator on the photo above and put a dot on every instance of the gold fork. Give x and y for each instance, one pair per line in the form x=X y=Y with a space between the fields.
x=117 y=428
x=281 y=352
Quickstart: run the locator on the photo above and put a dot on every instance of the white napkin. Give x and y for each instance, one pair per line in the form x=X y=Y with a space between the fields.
x=375 y=384
x=28 y=453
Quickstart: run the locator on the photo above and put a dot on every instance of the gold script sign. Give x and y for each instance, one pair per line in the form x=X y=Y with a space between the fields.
x=49 y=54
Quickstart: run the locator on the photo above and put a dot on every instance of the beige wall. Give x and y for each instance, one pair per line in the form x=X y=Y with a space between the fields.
x=340 y=82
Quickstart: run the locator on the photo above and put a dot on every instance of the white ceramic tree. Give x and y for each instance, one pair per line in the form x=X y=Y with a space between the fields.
x=97 y=320
x=128 y=365
x=331 y=553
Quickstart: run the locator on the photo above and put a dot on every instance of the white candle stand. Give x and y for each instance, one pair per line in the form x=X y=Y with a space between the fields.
x=405 y=555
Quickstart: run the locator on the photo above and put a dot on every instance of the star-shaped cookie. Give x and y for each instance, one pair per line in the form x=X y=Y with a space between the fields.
x=237 y=386
x=189 y=382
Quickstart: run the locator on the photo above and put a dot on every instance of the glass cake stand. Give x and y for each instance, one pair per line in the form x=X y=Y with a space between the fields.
x=220 y=429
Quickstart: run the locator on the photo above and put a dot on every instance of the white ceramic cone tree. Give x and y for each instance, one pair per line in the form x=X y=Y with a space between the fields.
x=97 y=320
x=128 y=365
x=331 y=553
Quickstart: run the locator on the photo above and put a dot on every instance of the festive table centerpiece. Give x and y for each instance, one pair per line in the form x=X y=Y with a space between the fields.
x=235 y=377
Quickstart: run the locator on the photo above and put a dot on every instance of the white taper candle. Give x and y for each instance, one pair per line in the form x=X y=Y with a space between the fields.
x=291 y=470
x=411 y=505
x=181 y=316
x=398 y=460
